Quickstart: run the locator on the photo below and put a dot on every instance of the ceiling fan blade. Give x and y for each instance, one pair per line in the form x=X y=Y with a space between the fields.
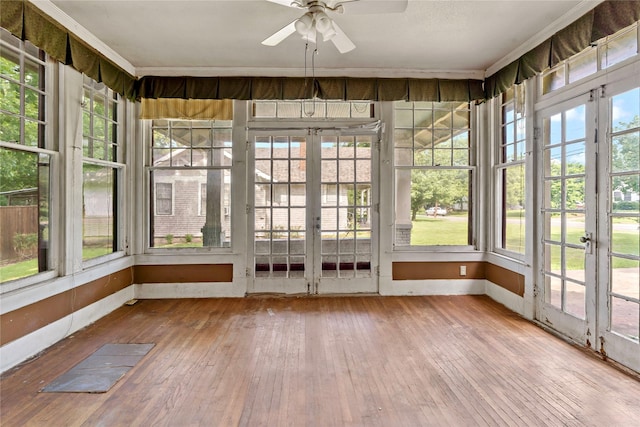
x=369 y=7
x=342 y=42
x=280 y=35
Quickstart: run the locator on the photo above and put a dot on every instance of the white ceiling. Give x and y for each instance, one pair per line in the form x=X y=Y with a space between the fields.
x=452 y=38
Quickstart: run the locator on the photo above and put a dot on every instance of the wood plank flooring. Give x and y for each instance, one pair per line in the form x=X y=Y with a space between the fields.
x=327 y=361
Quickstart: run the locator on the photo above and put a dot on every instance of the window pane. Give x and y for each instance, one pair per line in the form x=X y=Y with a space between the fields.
x=439 y=211
x=513 y=235
x=98 y=211
x=619 y=48
x=553 y=80
x=24 y=213
x=192 y=208
x=426 y=197
x=583 y=65
x=625 y=110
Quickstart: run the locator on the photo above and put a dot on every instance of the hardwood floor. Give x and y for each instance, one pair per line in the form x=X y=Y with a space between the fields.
x=341 y=361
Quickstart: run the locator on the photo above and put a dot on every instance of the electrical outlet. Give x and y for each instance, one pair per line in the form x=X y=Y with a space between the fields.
x=463 y=270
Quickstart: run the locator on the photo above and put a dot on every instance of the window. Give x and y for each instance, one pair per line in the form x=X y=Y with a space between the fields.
x=433 y=174
x=164 y=198
x=610 y=51
x=510 y=172
x=190 y=175
x=24 y=161
x=317 y=108
x=101 y=168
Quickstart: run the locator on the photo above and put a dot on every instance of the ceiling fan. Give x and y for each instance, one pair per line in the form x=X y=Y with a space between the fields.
x=316 y=20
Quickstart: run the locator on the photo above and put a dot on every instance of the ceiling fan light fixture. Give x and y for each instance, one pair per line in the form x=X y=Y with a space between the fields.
x=323 y=22
x=304 y=24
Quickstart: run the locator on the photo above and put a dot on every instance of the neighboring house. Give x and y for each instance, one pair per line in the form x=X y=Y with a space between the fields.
x=180 y=196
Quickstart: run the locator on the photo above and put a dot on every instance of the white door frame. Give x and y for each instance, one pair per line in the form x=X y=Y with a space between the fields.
x=609 y=343
x=580 y=330
x=312 y=281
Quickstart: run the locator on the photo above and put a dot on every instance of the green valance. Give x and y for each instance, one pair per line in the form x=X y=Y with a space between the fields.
x=27 y=22
x=605 y=19
x=344 y=88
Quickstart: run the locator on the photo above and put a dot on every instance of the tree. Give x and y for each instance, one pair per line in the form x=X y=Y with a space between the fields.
x=438 y=187
x=625 y=156
x=18 y=169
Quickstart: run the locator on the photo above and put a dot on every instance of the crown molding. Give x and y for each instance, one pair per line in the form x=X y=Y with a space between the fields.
x=70 y=24
x=300 y=72
x=576 y=12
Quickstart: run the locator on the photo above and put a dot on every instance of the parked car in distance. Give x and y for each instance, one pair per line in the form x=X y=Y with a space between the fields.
x=437 y=211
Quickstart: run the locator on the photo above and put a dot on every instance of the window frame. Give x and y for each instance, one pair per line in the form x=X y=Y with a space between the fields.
x=171 y=197
x=227 y=169
x=116 y=162
x=501 y=166
x=473 y=193
x=47 y=145
x=601 y=65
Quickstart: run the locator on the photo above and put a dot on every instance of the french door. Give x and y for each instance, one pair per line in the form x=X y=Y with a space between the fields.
x=619 y=223
x=566 y=292
x=313 y=212
x=589 y=277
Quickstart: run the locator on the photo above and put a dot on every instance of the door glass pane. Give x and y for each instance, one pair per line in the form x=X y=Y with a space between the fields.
x=575 y=299
x=574 y=263
x=553 y=291
x=564 y=165
x=625 y=277
x=345 y=206
x=624 y=215
x=625 y=318
x=279 y=217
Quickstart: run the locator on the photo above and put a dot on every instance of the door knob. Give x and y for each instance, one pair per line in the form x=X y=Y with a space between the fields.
x=585 y=239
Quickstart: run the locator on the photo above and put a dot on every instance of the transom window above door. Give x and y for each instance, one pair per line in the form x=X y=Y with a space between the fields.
x=313 y=108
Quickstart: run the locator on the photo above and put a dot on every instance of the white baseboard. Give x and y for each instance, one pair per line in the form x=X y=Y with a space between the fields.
x=17 y=351
x=434 y=287
x=189 y=290
x=507 y=298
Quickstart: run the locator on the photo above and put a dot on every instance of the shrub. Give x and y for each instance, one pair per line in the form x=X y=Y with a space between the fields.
x=626 y=206
x=169 y=238
x=24 y=244
x=188 y=238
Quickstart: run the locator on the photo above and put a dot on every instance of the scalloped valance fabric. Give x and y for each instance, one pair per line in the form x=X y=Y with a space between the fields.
x=605 y=19
x=339 y=88
x=26 y=21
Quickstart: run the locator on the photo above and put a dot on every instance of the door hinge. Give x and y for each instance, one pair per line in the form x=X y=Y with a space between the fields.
x=603 y=91
x=536 y=133
x=535 y=290
x=376 y=208
x=248 y=272
x=376 y=271
x=248 y=209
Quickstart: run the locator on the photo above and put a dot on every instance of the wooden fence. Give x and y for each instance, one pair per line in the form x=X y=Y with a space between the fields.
x=16 y=220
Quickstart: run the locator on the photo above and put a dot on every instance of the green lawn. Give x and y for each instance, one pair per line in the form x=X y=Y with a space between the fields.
x=18 y=270
x=439 y=231
x=449 y=230
x=30 y=267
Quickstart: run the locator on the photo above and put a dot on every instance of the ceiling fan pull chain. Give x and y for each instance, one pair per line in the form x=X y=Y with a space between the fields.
x=308 y=106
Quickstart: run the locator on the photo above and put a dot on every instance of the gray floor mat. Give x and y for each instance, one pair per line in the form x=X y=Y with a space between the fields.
x=100 y=371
